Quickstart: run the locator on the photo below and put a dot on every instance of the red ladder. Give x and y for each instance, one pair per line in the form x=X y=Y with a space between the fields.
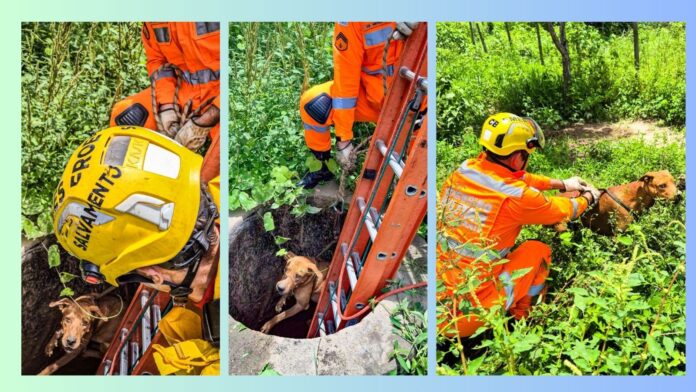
x=130 y=352
x=389 y=201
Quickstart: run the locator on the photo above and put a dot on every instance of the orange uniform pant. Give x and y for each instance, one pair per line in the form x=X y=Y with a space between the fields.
x=317 y=134
x=143 y=101
x=515 y=295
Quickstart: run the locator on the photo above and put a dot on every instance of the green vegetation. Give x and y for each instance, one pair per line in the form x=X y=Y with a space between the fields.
x=72 y=74
x=471 y=83
x=614 y=305
x=271 y=65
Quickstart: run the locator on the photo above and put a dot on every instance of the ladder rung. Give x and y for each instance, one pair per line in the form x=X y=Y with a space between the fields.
x=334 y=302
x=369 y=223
x=135 y=354
x=107 y=367
x=350 y=266
x=352 y=277
x=320 y=321
x=395 y=163
x=123 y=358
x=355 y=256
x=146 y=326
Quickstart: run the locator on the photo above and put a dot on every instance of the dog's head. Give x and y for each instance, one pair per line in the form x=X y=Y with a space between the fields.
x=78 y=316
x=299 y=271
x=660 y=184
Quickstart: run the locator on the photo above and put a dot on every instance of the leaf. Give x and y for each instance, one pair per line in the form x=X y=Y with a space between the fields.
x=66 y=277
x=332 y=165
x=246 y=202
x=279 y=240
x=312 y=209
x=67 y=292
x=30 y=230
x=268 y=371
x=624 y=239
x=313 y=164
x=669 y=345
x=654 y=348
x=53 y=256
x=281 y=252
x=473 y=365
x=268 y=222
x=516 y=274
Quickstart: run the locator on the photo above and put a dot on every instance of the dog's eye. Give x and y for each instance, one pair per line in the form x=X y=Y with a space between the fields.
x=662 y=186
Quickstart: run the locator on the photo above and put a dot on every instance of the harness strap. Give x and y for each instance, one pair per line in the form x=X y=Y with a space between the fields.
x=618 y=201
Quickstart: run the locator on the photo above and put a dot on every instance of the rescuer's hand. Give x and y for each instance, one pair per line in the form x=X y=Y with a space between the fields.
x=344 y=155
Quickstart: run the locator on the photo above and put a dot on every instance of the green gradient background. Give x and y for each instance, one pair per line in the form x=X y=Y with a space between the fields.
x=302 y=10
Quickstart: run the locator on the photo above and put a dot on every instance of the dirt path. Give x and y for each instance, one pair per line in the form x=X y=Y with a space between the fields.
x=650 y=132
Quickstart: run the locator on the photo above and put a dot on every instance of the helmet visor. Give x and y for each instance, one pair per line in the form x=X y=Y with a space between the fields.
x=537 y=140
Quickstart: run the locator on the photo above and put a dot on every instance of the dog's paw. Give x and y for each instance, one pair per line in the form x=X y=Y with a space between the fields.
x=279 y=307
x=49 y=350
x=266 y=328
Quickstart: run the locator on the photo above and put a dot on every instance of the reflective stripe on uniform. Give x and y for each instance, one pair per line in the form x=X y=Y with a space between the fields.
x=489 y=182
x=467 y=252
x=199 y=77
x=377 y=37
x=575 y=208
x=379 y=71
x=344 y=103
x=535 y=290
x=315 y=128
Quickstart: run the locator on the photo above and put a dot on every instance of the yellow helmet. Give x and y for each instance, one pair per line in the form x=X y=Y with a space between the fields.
x=505 y=133
x=129 y=198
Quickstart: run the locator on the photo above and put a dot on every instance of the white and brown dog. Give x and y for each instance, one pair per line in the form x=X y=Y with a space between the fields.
x=304 y=280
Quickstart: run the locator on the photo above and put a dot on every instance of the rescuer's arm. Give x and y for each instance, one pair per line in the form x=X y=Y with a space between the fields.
x=534 y=208
x=165 y=82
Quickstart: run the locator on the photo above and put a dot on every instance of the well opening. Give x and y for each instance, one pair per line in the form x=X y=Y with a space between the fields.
x=255 y=268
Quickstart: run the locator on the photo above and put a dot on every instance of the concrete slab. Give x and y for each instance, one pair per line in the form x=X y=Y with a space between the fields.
x=363 y=349
x=251 y=351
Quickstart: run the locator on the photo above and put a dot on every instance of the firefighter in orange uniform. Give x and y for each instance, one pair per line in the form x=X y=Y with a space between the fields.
x=355 y=94
x=188 y=54
x=485 y=203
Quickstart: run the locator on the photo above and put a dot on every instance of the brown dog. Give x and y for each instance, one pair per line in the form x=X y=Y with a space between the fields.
x=89 y=318
x=608 y=215
x=302 y=279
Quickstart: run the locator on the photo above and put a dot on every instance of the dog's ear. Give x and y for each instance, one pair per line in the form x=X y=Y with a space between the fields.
x=647 y=178
x=318 y=273
x=288 y=256
x=94 y=310
x=61 y=303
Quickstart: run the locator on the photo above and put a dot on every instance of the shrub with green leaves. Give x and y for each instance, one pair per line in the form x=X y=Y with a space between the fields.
x=72 y=74
x=509 y=74
x=614 y=305
x=271 y=65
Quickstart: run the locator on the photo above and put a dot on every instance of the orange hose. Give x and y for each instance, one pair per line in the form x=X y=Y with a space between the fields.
x=379 y=299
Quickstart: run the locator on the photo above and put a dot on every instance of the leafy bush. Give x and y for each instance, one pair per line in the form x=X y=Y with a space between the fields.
x=72 y=74
x=271 y=65
x=471 y=83
x=614 y=305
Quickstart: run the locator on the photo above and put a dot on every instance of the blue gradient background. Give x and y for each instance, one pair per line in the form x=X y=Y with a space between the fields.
x=300 y=10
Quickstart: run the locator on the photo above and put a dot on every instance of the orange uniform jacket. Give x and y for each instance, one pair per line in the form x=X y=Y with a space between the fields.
x=486 y=204
x=194 y=48
x=358 y=67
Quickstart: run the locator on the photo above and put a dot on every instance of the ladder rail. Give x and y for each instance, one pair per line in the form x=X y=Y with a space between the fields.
x=393 y=117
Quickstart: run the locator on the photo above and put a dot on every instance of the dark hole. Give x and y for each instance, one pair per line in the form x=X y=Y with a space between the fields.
x=255 y=269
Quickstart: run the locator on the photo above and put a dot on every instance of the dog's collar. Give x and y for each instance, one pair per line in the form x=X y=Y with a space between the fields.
x=619 y=202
